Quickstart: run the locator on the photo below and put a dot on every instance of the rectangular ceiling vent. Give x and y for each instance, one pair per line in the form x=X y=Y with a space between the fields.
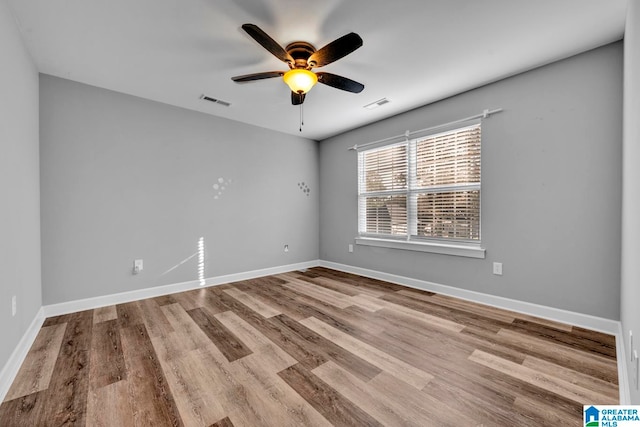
x=377 y=104
x=215 y=101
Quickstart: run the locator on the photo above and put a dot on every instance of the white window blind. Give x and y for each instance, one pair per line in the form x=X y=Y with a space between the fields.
x=383 y=184
x=427 y=188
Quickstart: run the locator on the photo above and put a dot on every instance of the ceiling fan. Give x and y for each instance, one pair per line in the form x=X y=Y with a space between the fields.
x=302 y=57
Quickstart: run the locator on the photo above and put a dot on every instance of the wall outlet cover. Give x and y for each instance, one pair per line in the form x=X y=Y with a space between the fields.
x=137 y=266
x=497 y=268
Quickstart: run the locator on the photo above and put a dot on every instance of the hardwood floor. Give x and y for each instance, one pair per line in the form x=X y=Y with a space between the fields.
x=309 y=348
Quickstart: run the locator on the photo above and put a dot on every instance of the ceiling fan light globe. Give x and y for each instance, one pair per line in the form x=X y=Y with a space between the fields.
x=299 y=80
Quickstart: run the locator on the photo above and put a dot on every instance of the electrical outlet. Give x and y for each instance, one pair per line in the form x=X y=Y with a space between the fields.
x=286 y=248
x=497 y=268
x=350 y=247
x=137 y=266
x=14 y=305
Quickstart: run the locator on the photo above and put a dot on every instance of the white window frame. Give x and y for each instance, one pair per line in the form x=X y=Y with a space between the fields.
x=410 y=241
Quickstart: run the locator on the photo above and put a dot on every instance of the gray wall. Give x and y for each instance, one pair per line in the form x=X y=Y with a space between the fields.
x=550 y=188
x=125 y=178
x=630 y=289
x=19 y=187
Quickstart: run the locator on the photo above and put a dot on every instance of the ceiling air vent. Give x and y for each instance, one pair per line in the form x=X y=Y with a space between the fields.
x=377 y=103
x=215 y=101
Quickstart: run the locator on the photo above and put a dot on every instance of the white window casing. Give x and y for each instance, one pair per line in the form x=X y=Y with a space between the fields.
x=424 y=193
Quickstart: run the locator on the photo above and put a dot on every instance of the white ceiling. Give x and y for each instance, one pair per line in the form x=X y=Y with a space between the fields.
x=415 y=51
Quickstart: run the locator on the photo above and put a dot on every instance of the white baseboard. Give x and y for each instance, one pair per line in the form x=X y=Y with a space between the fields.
x=608 y=326
x=563 y=316
x=623 y=379
x=119 y=298
x=11 y=368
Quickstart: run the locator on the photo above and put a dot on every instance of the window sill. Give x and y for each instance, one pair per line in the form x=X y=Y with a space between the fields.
x=436 y=248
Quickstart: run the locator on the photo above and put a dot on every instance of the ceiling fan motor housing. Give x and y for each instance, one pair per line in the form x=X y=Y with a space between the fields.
x=300 y=52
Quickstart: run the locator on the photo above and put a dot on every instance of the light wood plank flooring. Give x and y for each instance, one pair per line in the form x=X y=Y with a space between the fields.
x=314 y=348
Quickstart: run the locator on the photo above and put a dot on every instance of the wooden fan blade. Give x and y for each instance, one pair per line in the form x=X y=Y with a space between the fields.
x=297 y=98
x=257 y=76
x=267 y=42
x=340 y=82
x=335 y=50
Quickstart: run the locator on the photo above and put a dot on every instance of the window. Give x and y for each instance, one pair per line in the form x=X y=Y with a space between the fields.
x=425 y=190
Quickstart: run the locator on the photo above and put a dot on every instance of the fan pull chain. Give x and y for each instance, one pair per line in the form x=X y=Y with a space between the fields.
x=301 y=118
